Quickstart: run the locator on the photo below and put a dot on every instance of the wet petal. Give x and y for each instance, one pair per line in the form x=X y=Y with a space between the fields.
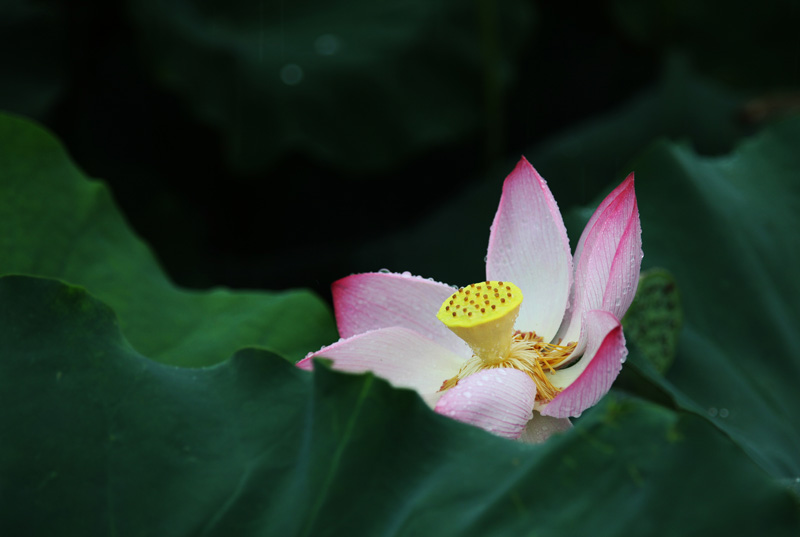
x=364 y=302
x=623 y=187
x=497 y=400
x=540 y=428
x=591 y=377
x=528 y=245
x=607 y=261
x=399 y=355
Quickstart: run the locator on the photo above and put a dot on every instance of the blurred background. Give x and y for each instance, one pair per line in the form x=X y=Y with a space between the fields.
x=273 y=144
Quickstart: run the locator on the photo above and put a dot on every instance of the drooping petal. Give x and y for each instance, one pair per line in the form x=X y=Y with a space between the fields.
x=540 y=428
x=607 y=261
x=497 y=400
x=528 y=245
x=364 y=302
x=399 y=355
x=591 y=377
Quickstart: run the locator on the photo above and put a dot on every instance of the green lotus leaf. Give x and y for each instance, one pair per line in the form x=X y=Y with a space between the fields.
x=55 y=222
x=100 y=440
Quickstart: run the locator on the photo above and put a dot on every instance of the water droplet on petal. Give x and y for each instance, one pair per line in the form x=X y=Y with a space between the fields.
x=385 y=271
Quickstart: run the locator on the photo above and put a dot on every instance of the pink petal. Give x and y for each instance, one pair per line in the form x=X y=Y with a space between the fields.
x=364 y=302
x=607 y=261
x=591 y=377
x=498 y=400
x=401 y=356
x=528 y=245
x=624 y=276
x=540 y=428
x=624 y=186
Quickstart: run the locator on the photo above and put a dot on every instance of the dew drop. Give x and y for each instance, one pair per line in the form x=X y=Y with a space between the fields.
x=723 y=413
x=712 y=412
x=327 y=45
x=385 y=271
x=406 y=274
x=291 y=74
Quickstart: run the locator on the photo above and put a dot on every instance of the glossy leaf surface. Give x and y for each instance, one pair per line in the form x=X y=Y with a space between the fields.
x=101 y=440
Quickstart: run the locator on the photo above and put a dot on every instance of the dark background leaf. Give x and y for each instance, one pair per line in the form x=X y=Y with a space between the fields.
x=316 y=76
x=528 y=71
x=738 y=43
x=34 y=55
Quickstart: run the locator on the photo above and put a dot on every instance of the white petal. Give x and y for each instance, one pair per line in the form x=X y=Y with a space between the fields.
x=401 y=356
x=497 y=400
x=528 y=246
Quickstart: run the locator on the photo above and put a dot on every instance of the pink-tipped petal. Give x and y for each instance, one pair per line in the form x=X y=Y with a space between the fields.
x=540 y=428
x=364 y=302
x=591 y=377
x=528 y=246
x=624 y=276
x=399 y=355
x=497 y=400
x=624 y=186
x=607 y=261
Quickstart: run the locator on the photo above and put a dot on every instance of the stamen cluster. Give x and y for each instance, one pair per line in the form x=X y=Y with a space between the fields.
x=531 y=355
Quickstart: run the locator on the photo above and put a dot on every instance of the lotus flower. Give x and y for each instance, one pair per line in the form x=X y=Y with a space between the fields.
x=537 y=342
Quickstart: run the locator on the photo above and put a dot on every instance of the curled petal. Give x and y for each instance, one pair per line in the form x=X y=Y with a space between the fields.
x=401 y=356
x=364 y=302
x=497 y=400
x=607 y=261
x=528 y=245
x=540 y=428
x=591 y=377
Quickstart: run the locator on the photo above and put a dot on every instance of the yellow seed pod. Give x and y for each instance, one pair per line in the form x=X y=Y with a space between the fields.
x=483 y=315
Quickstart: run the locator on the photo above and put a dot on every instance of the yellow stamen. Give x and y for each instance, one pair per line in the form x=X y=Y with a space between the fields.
x=489 y=332
x=487 y=325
